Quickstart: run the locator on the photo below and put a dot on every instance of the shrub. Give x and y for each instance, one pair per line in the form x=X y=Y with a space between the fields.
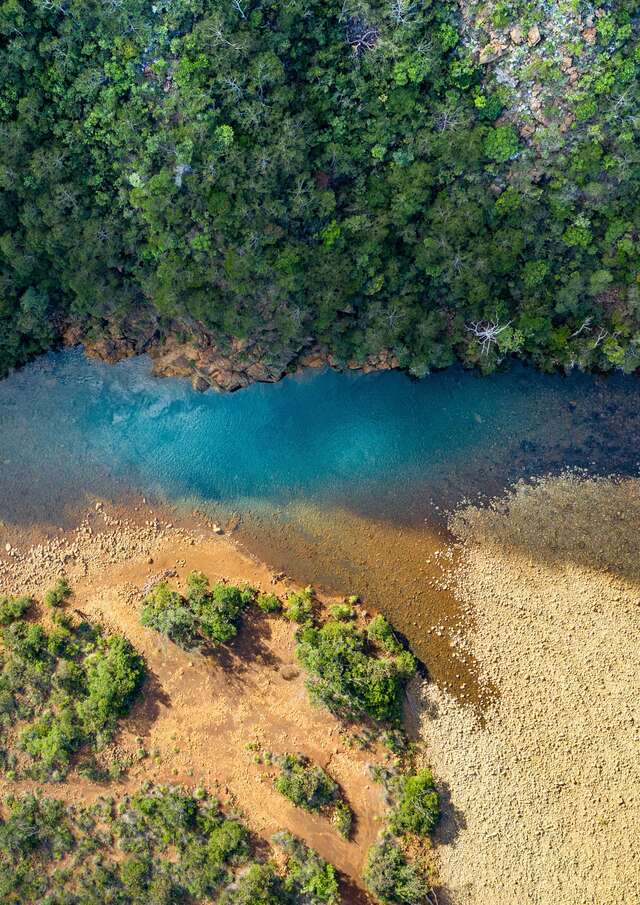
x=113 y=676
x=68 y=688
x=269 y=603
x=299 y=606
x=205 y=614
x=390 y=877
x=58 y=594
x=348 y=676
x=308 y=877
x=501 y=144
x=219 y=610
x=12 y=608
x=167 y=613
x=342 y=612
x=306 y=785
x=342 y=818
x=418 y=806
x=259 y=885
x=380 y=632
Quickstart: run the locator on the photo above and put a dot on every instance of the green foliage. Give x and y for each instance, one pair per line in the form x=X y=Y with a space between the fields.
x=204 y=615
x=342 y=612
x=342 y=818
x=269 y=603
x=305 y=784
x=501 y=144
x=66 y=688
x=58 y=594
x=291 y=172
x=299 y=606
x=417 y=808
x=168 y=613
x=12 y=608
x=390 y=877
x=160 y=845
x=380 y=632
x=349 y=675
x=308 y=877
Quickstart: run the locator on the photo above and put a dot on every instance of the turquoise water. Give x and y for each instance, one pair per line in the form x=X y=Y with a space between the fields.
x=380 y=443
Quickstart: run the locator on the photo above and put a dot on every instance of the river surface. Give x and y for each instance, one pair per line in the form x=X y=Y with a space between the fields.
x=342 y=479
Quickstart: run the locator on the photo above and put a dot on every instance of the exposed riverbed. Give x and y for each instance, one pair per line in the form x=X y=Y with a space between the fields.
x=339 y=479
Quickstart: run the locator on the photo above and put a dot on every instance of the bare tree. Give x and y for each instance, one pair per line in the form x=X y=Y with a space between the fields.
x=238 y=8
x=487 y=332
x=361 y=36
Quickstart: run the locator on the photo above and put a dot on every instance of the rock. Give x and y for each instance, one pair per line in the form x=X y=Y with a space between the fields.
x=7 y=548
x=491 y=52
x=217 y=529
x=533 y=36
x=289 y=673
x=590 y=35
x=517 y=34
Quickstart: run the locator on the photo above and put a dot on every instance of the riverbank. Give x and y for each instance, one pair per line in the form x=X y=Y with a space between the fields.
x=545 y=792
x=202 y=718
x=188 y=350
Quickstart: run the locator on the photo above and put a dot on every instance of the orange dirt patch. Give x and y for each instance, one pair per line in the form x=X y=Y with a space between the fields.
x=199 y=712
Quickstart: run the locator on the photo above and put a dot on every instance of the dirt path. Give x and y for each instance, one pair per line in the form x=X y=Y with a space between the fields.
x=545 y=797
x=199 y=713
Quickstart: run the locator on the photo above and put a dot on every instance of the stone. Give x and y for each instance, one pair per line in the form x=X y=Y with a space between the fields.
x=533 y=36
x=517 y=34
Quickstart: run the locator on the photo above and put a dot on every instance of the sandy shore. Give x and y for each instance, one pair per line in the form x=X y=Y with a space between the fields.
x=545 y=795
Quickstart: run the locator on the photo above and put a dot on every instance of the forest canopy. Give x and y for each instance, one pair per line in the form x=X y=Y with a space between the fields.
x=440 y=182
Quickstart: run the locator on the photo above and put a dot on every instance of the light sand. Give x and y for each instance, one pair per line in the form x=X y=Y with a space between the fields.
x=545 y=796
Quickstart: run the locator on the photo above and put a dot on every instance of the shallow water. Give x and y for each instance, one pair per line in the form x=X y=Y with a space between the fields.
x=310 y=462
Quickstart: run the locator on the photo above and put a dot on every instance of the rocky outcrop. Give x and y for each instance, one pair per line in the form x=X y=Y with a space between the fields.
x=190 y=351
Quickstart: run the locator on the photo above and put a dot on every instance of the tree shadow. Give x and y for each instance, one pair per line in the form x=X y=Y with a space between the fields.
x=452 y=819
x=248 y=648
x=351 y=893
x=146 y=708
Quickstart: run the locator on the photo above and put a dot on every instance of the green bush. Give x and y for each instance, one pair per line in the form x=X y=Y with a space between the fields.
x=259 y=885
x=299 y=606
x=12 y=608
x=67 y=688
x=159 y=846
x=347 y=674
x=305 y=784
x=58 y=594
x=417 y=809
x=167 y=612
x=380 y=632
x=390 y=877
x=114 y=674
x=342 y=612
x=342 y=818
x=269 y=603
x=204 y=615
x=308 y=877
x=501 y=144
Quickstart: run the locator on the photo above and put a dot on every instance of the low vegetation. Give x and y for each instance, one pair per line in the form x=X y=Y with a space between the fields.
x=417 y=808
x=160 y=846
x=64 y=684
x=204 y=616
x=391 y=877
x=309 y=787
x=352 y=672
x=63 y=688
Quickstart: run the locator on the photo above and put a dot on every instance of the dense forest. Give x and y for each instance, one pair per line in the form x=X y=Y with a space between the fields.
x=438 y=180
